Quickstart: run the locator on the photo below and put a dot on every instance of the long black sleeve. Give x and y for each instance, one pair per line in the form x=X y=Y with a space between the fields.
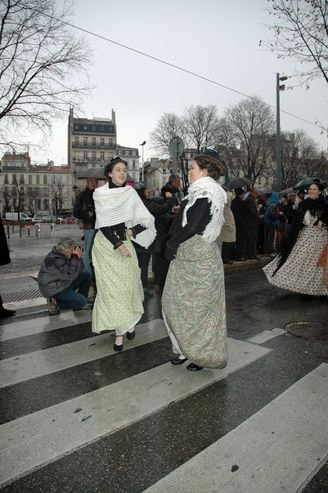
x=198 y=217
x=111 y=235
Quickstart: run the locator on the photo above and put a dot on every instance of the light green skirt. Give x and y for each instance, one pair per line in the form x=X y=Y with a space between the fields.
x=118 y=304
x=193 y=303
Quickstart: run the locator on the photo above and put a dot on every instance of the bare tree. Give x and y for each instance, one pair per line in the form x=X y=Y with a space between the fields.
x=168 y=126
x=41 y=65
x=18 y=193
x=290 y=165
x=251 y=125
x=300 y=157
x=300 y=32
x=201 y=126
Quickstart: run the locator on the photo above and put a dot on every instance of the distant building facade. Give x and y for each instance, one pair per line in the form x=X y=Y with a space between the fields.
x=92 y=143
x=42 y=189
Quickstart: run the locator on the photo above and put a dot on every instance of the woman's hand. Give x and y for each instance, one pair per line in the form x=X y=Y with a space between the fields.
x=320 y=225
x=168 y=195
x=129 y=233
x=124 y=251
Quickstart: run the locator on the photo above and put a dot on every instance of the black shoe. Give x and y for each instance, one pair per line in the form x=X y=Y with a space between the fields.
x=178 y=361
x=193 y=367
x=131 y=335
x=118 y=347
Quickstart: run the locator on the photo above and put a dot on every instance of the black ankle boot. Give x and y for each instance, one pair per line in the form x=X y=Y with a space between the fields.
x=193 y=367
x=131 y=335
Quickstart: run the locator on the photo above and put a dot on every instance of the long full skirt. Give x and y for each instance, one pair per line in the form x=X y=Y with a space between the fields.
x=300 y=273
x=118 y=304
x=193 y=303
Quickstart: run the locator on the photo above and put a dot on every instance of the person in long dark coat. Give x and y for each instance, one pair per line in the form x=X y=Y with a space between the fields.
x=4 y=259
x=252 y=225
x=158 y=210
x=239 y=209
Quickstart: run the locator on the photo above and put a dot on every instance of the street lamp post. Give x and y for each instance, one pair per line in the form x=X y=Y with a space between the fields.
x=142 y=159
x=279 y=87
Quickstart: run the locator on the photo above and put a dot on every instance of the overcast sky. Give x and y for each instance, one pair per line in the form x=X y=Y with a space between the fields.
x=214 y=38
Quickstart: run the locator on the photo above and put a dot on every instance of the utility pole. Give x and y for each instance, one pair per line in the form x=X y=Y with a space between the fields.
x=142 y=159
x=278 y=136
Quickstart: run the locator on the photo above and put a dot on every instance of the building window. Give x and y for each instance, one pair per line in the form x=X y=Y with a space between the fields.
x=85 y=141
x=85 y=156
x=30 y=178
x=6 y=180
x=102 y=156
x=76 y=140
x=21 y=180
x=37 y=179
x=102 y=141
x=45 y=181
x=93 y=141
x=94 y=156
x=130 y=153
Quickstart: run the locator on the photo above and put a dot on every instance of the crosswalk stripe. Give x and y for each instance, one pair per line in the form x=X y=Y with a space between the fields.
x=266 y=335
x=62 y=428
x=278 y=449
x=46 y=361
x=43 y=324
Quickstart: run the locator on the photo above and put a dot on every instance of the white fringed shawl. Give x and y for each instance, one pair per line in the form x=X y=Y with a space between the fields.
x=123 y=205
x=208 y=188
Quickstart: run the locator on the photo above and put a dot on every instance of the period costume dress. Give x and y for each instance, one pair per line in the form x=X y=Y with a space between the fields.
x=193 y=301
x=297 y=267
x=118 y=304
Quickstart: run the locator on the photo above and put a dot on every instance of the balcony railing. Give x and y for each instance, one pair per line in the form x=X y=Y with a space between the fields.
x=89 y=145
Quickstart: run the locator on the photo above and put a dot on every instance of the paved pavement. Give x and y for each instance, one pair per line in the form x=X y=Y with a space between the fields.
x=78 y=417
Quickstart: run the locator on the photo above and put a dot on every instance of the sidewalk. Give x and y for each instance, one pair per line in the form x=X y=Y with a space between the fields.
x=18 y=287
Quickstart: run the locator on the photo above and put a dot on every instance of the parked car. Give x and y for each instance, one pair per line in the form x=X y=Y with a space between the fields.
x=13 y=216
x=42 y=219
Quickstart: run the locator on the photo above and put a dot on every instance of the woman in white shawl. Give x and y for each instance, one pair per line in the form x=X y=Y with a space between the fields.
x=120 y=217
x=193 y=299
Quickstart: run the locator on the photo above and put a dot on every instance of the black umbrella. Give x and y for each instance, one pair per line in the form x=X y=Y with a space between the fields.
x=240 y=182
x=306 y=182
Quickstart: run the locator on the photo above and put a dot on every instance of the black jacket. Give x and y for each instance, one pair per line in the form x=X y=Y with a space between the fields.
x=84 y=209
x=57 y=272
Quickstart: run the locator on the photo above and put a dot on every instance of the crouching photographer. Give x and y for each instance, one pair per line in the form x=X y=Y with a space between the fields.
x=62 y=279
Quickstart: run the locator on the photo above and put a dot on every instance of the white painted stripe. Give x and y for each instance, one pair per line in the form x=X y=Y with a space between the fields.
x=22 y=304
x=265 y=336
x=58 y=430
x=31 y=365
x=43 y=324
x=278 y=449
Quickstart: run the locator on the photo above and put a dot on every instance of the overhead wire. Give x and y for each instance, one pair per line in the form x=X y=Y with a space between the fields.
x=177 y=67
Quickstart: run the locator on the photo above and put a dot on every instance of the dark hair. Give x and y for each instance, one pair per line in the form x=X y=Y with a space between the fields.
x=109 y=167
x=321 y=186
x=214 y=167
x=174 y=177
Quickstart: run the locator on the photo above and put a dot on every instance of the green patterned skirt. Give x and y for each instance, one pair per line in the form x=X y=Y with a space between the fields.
x=193 y=303
x=118 y=304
